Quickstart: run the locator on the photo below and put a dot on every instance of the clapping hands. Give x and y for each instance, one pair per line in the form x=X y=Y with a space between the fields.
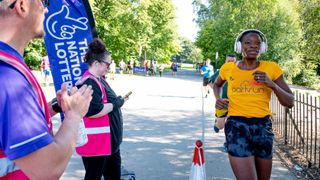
x=75 y=102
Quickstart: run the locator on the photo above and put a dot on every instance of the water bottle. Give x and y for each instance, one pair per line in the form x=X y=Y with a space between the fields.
x=220 y=117
x=82 y=137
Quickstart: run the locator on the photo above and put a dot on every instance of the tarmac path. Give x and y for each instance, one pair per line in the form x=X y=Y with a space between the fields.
x=162 y=121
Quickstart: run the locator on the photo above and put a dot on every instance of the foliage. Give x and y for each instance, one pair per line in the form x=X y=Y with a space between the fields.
x=223 y=20
x=310 y=15
x=133 y=29
x=139 y=29
x=164 y=42
x=34 y=52
x=189 y=53
x=307 y=77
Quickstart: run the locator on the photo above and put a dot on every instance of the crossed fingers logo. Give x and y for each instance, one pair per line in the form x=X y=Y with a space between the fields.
x=68 y=27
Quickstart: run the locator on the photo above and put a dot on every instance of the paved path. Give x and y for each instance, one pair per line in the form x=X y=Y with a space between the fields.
x=162 y=121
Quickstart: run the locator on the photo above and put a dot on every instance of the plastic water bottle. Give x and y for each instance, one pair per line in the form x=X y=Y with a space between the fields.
x=82 y=137
x=220 y=117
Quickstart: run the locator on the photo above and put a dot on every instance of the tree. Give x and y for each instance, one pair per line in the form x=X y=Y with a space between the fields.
x=223 y=20
x=130 y=29
x=33 y=53
x=189 y=53
x=310 y=16
x=164 y=41
x=134 y=28
x=123 y=25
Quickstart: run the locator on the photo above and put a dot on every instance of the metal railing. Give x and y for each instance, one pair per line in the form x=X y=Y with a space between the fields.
x=300 y=125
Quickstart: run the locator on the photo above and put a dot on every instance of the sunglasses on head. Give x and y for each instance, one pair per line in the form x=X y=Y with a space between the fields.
x=45 y=3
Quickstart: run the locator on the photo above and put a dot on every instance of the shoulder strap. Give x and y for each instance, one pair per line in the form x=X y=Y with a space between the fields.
x=88 y=75
x=24 y=70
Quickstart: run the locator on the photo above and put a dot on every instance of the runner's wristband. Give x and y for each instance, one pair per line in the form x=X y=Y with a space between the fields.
x=55 y=106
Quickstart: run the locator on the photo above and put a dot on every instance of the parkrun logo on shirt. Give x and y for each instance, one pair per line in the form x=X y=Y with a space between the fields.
x=249 y=88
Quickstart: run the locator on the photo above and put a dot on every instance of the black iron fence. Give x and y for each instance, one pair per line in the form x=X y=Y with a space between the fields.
x=300 y=125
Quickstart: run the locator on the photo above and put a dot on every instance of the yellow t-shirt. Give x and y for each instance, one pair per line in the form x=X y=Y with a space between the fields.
x=247 y=97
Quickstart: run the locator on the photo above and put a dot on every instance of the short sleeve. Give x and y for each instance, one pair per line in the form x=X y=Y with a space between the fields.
x=203 y=69
x=23 y=127
x=276 y=71
x=225 y=69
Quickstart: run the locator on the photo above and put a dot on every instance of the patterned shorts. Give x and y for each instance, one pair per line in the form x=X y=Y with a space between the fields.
x=247 y=137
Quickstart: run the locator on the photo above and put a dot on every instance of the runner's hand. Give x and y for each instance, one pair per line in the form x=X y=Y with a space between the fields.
x=222 y=103
x=77 y=101
x=262 y=77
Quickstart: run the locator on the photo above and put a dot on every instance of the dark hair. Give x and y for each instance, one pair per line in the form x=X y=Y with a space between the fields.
x=231 y=55
x=248 y=32
x=97 y=52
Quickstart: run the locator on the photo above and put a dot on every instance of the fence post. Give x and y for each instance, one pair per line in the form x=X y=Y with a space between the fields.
x=286 y=112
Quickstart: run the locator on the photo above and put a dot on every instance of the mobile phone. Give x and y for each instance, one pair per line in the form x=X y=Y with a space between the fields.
x=128 y=94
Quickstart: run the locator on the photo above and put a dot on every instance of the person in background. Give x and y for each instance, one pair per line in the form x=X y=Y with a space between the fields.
x=161 y=68
x=206 y=71
x=229 y=58
x=112 y=70
x=174 y=69
x=149 y=70
x=28 y=150
x=154 y=67
x=104 y=122
x=198 y=67
x=131 y=66
x=42 y=66
x=46 y=69
x=121 y=66
x=171 y=67
x=145 y=65
x=221 y=116
x=248 y=129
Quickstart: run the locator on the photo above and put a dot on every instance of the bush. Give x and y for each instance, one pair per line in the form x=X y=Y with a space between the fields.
x=307 y=77
x=33 y=53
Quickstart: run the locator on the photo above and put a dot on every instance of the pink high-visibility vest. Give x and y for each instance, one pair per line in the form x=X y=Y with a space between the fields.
x=97 y=129
x=9 y=170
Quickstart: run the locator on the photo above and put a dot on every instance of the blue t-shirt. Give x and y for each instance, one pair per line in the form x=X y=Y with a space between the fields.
x=207 y=71
x=23 y=127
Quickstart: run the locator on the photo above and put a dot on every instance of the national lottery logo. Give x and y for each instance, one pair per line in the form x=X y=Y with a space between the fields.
x=62 y=27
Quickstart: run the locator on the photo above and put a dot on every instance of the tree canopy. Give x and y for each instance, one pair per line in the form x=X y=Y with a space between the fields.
x=137 y=28
x=280 y=21
x=146 y=29
x=190 y=53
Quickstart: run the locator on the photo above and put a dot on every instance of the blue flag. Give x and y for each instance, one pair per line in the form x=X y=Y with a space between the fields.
x=68 y=32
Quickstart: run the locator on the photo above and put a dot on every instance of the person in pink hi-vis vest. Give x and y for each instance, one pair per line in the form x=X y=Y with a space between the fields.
x=28 y=150
x=103 y=122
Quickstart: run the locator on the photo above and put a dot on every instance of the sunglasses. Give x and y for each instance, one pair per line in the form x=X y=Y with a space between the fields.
x=45 y=3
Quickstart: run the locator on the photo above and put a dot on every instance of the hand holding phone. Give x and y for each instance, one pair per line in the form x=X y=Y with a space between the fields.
x=127 y=95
